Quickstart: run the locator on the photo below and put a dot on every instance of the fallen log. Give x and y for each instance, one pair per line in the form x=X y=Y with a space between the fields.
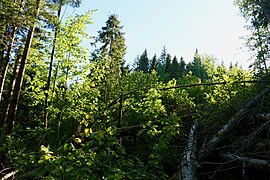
x=189 y=164
x=9 y=175
x=213 y=143
x=247 y=162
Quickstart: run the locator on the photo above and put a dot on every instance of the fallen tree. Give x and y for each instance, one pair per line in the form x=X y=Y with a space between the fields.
x=214 y=142
x=246 y=162
x=189 y=164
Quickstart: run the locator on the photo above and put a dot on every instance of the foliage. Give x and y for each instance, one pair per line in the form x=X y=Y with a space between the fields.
x=257 y=13
x=105 y=122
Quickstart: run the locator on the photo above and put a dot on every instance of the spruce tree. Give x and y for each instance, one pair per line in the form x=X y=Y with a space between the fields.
x=197 y=67
x=168 y=63
x=113 y=48
x=175 y=69
x=154 y=63
x=182 y=67
x=142 y=63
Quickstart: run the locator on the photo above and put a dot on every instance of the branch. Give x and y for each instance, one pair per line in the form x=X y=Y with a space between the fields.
x=204 y=152
x=9 y=175
x=211 y=84
x=258 y=164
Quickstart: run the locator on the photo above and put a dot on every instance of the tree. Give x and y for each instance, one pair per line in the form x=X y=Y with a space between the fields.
x=197 y=67
x=16 y=92
x=161 y=64
x=258 y=13
x=168 y=63
x=112 y=45
x=143 y=63
x=182 y=67
x=45 y=121
x=162 y=58
x=175 y=69
x=154 y=63
x=11 y=21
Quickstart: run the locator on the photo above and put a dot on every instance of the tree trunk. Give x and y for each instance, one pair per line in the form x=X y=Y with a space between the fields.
x=5 y=64
x=17 y=88
x=189 y=164
x=45 y=119
x=10 y=89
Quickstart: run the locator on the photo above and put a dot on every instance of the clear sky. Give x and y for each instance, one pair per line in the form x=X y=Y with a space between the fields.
x=214 y=27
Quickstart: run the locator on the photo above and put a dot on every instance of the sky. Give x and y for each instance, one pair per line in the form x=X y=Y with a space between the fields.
x=214 y=27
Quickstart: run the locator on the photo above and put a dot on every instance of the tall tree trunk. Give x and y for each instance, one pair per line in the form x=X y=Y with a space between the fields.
x=5 y=64
x=10 y=89
x=261 y=49
x=17 y=88
x=45 y=119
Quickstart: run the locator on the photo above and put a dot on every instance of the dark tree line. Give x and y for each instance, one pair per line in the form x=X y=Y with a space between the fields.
x=168 y=68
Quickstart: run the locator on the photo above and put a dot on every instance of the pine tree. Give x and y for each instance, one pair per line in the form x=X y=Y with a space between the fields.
x=197 y=67
x=182 y=67
x=175 y=69
x=113 y=46
x=162 y=59
x=161 y=64
x=16 y=92
x=168 y=63
x=154 y=63
x=143 y=63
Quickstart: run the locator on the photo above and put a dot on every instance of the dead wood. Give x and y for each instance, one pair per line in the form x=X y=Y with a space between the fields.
x=9 y=175
x=246 y=162
x=189 y=164
x=224 y=131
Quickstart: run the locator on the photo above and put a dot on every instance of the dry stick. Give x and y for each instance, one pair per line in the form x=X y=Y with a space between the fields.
x=9 y=175
x=250 y=162
x=205 y=151
x=258 y=130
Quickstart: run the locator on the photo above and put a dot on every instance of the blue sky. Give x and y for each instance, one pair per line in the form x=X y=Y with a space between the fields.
x=214 y=27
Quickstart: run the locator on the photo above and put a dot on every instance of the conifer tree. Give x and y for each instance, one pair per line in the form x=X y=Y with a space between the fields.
x=113 y=48
x=161 y=64
x=154 y=63
x=197 y=67
x=143 y=63
x=182 y=67
x=16 y=92
x=168 y=63
x=175 y=69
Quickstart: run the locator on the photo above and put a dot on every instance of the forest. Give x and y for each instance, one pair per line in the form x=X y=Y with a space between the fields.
x=70 y=113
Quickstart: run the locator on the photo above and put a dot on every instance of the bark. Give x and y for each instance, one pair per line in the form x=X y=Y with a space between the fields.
x=5 y=64
x=257 y=164
x=205 y=151
x=189 y=164
x=45 y=119
x=10 y=90
x=17 y=88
